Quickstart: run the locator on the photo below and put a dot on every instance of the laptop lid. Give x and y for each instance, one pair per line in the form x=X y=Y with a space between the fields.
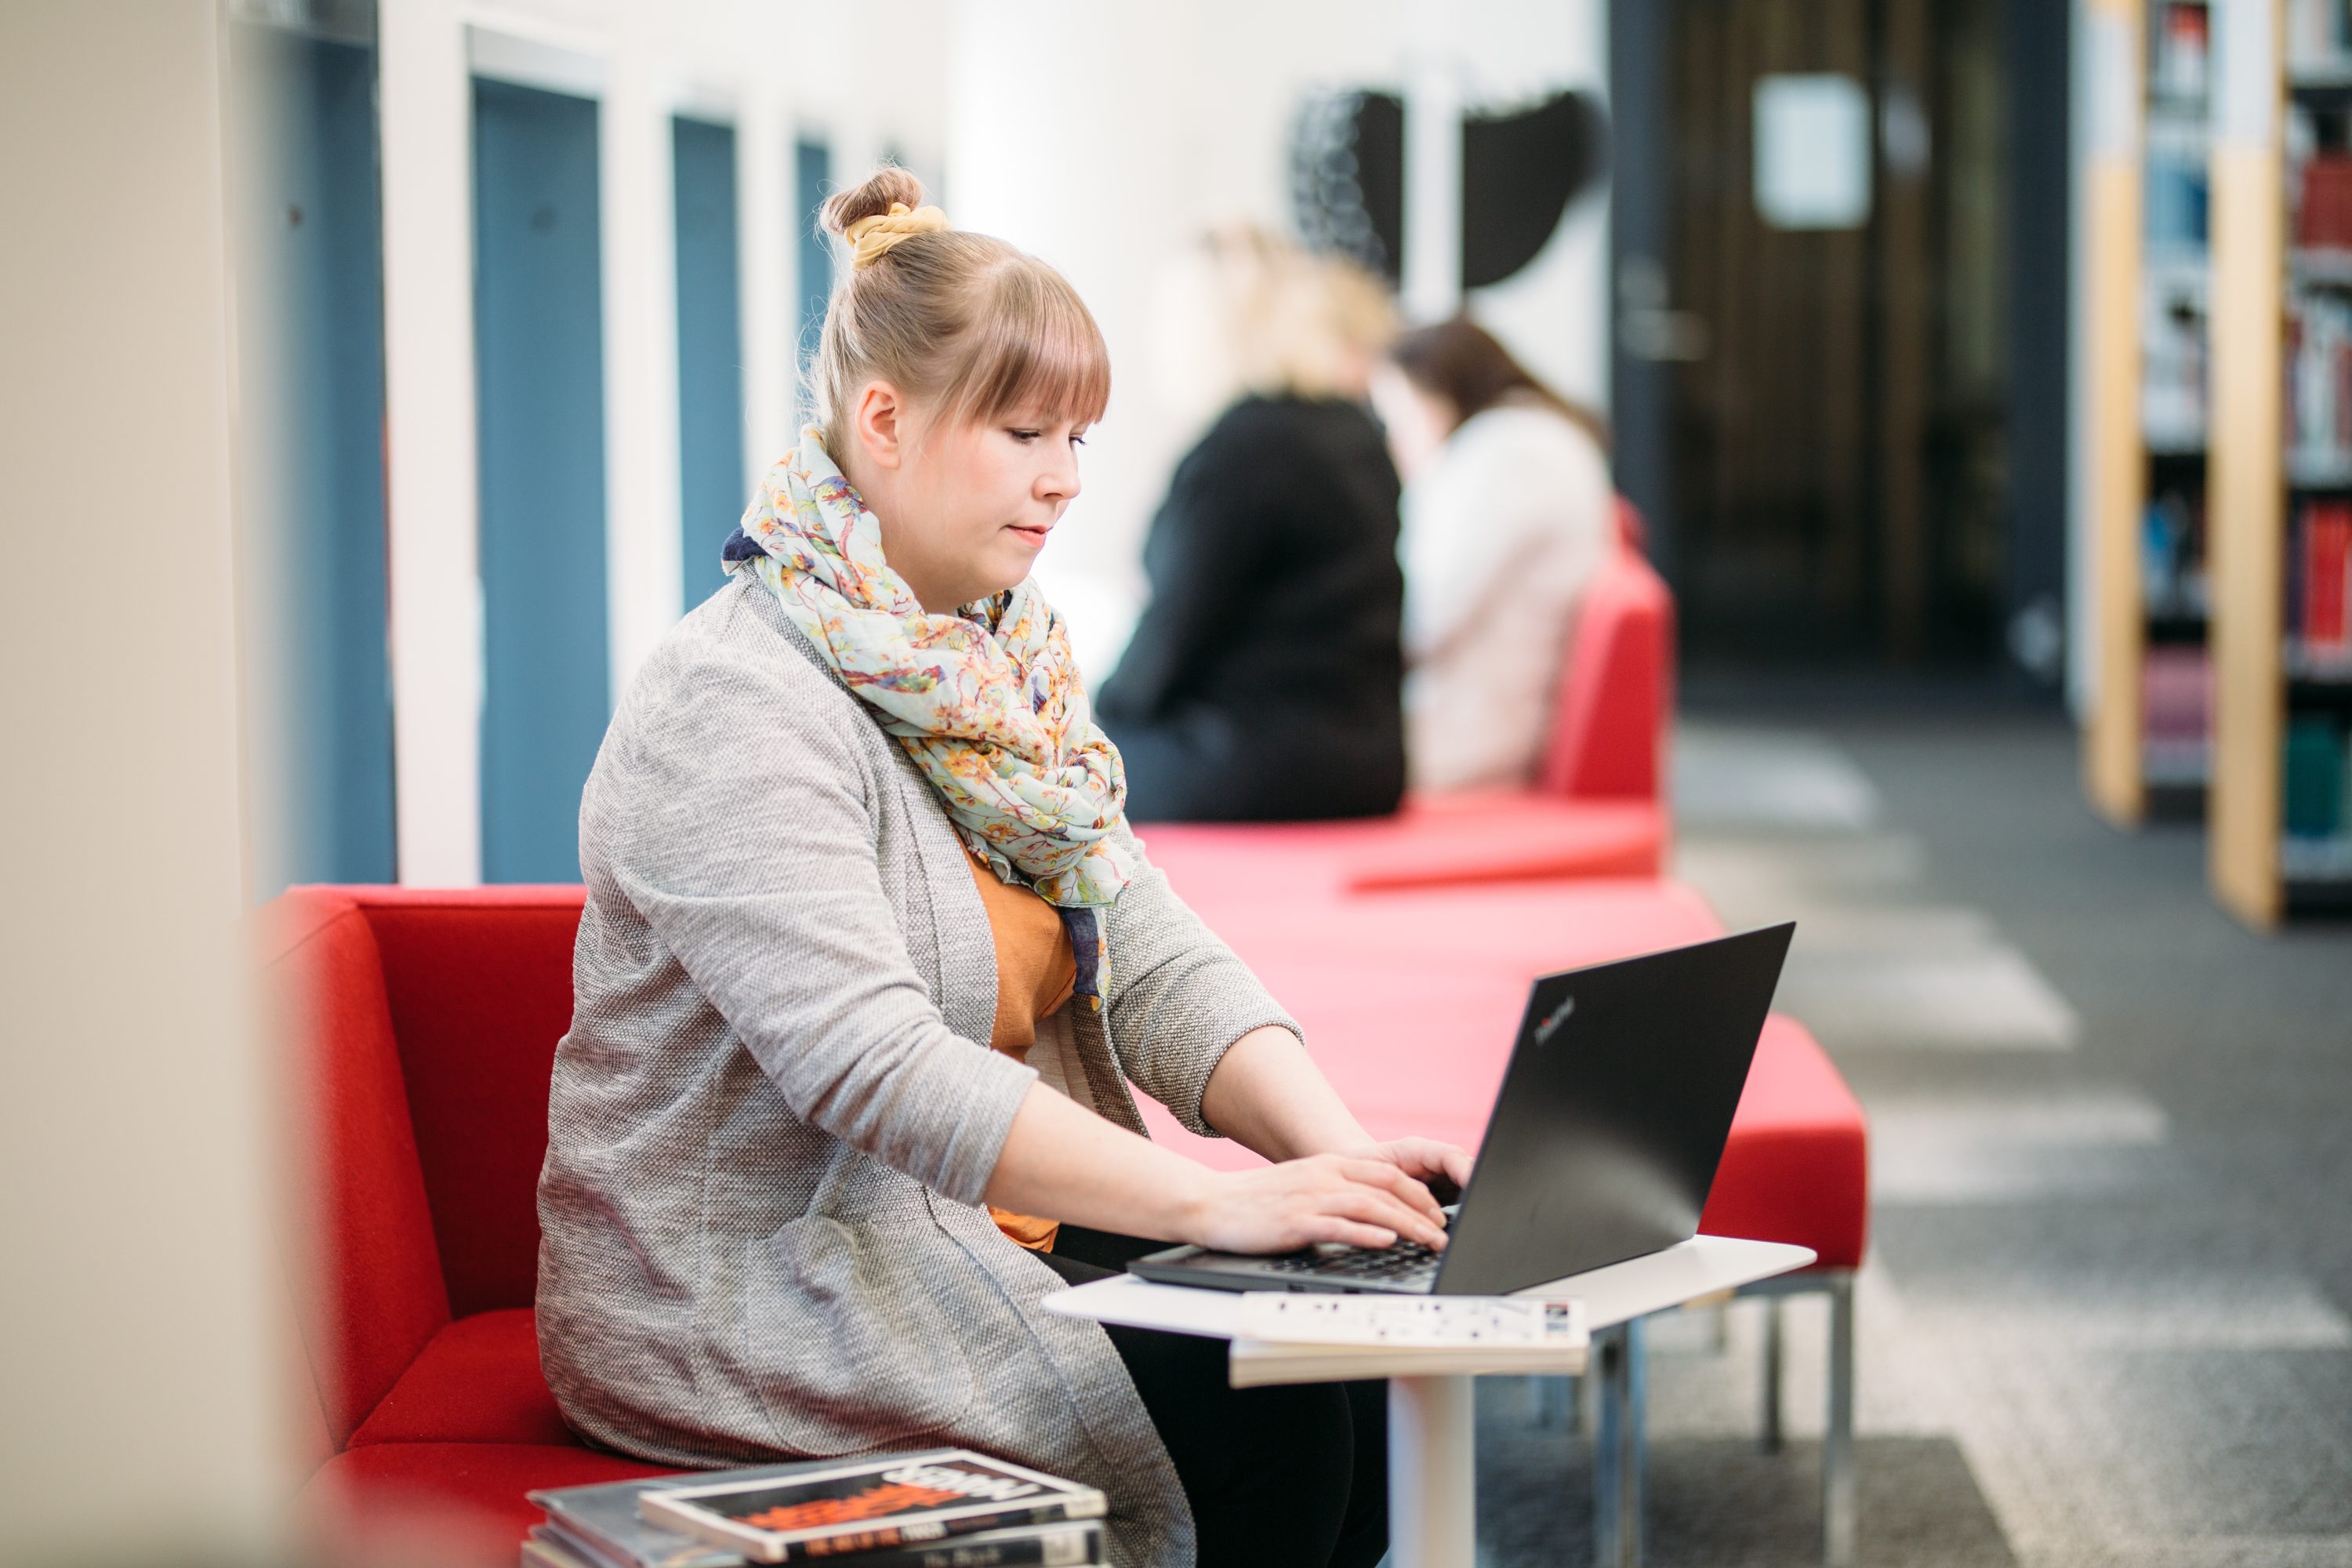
x=1613 y=1113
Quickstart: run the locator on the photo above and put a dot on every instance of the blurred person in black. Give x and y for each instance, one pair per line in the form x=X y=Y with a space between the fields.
x=1263 y=682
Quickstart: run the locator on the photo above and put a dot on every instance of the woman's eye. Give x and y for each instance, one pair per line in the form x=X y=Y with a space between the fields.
x=1077 y=440
x=1026 y=435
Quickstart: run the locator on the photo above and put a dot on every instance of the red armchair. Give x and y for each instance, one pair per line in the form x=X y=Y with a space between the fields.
x=422 y=1028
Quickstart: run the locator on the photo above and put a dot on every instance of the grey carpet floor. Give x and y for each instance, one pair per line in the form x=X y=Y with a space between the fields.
x=2108 y=1314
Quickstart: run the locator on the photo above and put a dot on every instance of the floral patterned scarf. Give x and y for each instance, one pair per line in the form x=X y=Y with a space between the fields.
x=986 y=701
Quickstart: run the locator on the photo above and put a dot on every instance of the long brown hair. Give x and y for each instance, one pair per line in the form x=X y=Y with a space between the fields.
x=1461 y=362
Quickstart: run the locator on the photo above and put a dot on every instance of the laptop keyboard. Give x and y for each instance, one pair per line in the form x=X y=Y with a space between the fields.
x=1403 y=1264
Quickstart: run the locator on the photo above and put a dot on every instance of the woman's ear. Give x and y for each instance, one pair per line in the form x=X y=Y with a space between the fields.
x=880 y=423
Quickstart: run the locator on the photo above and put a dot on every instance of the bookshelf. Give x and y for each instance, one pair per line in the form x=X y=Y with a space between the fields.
x=2281 y=488
x=2147 y=734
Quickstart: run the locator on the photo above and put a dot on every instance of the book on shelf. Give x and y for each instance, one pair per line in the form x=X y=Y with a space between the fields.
x=2319 y=587
x=2323 y=218
x=2172 y=371
x=604 y=1526
x=2317 y=771
x=866 y=1505
x=2172 y=570
x=2319 y=382
x=2319 y=34
x=2175 y=713
x=2181 y=46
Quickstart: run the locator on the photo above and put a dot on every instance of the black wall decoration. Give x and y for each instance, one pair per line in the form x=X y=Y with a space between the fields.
x=1521 y=168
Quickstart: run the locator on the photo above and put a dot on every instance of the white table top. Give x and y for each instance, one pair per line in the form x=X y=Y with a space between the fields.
x=1702 y=1266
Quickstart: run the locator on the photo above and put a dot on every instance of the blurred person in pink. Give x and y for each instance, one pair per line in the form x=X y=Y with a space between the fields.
x=1507 y=513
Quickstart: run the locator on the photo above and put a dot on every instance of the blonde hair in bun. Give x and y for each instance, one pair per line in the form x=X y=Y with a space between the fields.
x=962 y=321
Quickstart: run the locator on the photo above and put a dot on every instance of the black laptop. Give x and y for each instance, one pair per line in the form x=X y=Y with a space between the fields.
x=1602 y=1144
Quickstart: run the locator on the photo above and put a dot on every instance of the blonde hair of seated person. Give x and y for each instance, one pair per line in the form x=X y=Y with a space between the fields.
x=1243 y=312
x=964 y=324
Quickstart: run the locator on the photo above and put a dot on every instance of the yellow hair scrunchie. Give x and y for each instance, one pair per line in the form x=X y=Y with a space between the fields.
x=870 y=238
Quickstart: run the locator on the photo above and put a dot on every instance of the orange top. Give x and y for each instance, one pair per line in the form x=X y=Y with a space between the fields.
x=1035 y=973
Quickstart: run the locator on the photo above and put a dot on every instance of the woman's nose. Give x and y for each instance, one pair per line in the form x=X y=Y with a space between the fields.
x=1060 y=481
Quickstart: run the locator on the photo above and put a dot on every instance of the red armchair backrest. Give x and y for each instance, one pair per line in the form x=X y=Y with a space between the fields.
x=421 y=1027
x=1616 y=692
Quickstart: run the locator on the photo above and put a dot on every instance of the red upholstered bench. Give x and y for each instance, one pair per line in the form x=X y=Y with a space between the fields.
x=422 y=1027
x=1410 y=1001
x=1596 y=810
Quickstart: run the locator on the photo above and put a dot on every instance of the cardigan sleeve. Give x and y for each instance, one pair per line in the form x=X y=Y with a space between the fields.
x=1178 y=998
x=739 y=825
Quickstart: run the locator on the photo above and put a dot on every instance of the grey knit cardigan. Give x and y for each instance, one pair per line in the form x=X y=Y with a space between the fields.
x=772 y=1121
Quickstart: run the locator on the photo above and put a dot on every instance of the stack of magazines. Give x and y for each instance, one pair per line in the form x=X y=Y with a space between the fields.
x=940 y=1507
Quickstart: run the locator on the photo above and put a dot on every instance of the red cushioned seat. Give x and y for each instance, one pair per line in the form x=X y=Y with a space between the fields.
x=1594 y=812
x=1797 y=1168
x=1434 y=842
x=1411 y=1001
x=477 y=1381
x=453 y=1504
x=422 y=1027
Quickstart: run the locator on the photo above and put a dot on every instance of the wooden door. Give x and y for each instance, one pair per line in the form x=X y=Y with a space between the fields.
x=1831 y=375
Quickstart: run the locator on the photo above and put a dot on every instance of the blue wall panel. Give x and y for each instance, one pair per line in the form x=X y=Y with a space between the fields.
x=539 y=350
x=811 y=179
x=710 y=350
x=318 y=214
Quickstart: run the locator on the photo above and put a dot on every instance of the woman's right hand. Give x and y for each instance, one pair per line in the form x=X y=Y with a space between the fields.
x=1324 y=1198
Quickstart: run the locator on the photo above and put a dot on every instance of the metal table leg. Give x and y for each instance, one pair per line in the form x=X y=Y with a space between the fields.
x=1837 y=1440
x=1619 y=1457
x=1432 y=1472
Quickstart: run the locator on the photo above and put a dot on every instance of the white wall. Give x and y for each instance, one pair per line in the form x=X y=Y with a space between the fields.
x=1099 y=136
x=1102 y=137
x=139 y=1321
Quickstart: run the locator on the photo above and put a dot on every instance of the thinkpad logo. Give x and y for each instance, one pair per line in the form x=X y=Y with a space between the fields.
x=1550 y=1026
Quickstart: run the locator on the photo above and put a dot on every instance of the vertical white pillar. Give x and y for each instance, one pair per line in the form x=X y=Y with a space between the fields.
x=426 y=109
x=767 y=220
x=1433 y=172
x=644 y=576
x=135 y=1139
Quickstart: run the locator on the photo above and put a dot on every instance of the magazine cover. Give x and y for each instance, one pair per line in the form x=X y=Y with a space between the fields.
x=603 y=1518
x=1075 y=1543
x=872 y=1504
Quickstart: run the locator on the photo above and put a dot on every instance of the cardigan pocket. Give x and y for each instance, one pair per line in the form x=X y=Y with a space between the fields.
x=853 y=1352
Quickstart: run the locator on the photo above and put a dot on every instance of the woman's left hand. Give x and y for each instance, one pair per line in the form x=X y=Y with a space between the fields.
x=1423 y=1159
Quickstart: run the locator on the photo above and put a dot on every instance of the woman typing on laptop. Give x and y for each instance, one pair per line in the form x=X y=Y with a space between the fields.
x=870 y=961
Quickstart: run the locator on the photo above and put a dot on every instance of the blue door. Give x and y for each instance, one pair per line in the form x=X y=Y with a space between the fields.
x=539 y=349
x=811 y=175
x=312 y=215
x=709 y=351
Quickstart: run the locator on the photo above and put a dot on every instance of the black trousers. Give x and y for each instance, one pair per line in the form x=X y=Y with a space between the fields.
x=1290 y=1478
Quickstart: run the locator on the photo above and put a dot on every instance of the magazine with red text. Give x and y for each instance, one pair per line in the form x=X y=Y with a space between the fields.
x=868 y=1504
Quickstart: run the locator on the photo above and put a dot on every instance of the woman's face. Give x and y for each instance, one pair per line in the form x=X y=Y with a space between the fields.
x=964 y=508
x=1418 y=422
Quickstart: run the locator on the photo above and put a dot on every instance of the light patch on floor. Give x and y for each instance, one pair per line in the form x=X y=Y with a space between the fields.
x=1992 y=997
x=2190 y=1310
x=1725 y=776
x=1970 y=1149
